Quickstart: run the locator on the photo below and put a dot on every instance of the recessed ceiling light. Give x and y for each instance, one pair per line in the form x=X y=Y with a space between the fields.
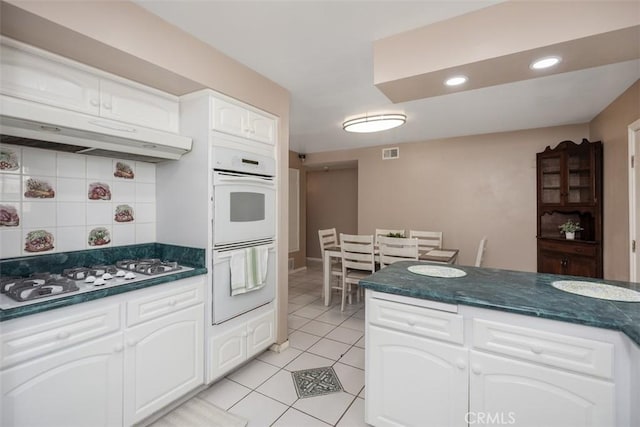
x=456 y=81
x=376 y=123
x=547 y=62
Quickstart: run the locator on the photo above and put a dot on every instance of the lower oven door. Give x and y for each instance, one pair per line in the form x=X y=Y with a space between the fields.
x=226 y=306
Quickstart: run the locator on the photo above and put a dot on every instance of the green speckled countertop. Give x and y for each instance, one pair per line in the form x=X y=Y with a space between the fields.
x=55 y=263
x=530 y=294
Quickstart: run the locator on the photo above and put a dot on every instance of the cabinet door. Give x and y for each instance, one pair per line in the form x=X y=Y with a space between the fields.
x=227 y=350
x=229 y=118
x=163 y=361
x=137 y=106
x=261 y=128
x=525 y=394
x=414 y=381
x=580 y=177
x=260 y=333
x=581 y=266
x=81 y=386
x=28 y=76
x=551 y=262
x=550 y=179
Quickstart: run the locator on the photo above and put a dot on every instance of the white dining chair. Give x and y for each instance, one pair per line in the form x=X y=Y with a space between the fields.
x=394 y=249
x=328 y=238
x=427 y=240
x=358 y=262
x=383 y=232
x=481 y=248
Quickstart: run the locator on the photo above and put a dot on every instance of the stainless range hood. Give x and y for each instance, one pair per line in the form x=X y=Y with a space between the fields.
x=33 y=124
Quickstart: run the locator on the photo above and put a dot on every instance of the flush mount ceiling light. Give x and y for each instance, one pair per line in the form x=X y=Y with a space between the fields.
x=546 y=62
x=456 y=81
x=376 y=123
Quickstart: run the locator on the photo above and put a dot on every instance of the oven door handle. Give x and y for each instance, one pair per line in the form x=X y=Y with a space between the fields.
x=219 y=256
x=226 y=179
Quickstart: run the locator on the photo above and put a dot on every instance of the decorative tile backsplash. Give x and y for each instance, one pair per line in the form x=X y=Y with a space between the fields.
x=58 y=202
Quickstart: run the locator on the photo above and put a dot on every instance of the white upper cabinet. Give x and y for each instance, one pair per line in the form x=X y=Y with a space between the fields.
x=238 y=120
x=28 y=76
x=133 y=105
x=261 y=128
x=49 y=79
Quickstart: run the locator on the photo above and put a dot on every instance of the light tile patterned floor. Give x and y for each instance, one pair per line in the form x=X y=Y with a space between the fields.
x=263 y=391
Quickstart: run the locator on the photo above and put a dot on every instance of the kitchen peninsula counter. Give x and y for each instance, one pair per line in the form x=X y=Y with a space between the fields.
x=497 y=345
x=517 y=292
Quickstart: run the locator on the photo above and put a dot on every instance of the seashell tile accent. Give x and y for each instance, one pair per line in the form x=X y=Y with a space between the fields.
x=99 y=236
x=8 y=160
x=39 y=189
x=38 y=241
x=9 y=216
x=123 y=170
x=124 y=213
x=99 y=191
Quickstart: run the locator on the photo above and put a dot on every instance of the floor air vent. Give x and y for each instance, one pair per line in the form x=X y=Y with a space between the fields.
x=390 y=153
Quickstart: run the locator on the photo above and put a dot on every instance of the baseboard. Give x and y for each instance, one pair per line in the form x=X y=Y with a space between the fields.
x=298 y=269
x=314 y=259
x=279 y=348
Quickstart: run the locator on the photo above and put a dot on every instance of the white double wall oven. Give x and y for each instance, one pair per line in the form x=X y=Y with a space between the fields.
x=244 y=216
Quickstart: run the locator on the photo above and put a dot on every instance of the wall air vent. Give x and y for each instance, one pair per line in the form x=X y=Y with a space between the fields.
x=390 y=153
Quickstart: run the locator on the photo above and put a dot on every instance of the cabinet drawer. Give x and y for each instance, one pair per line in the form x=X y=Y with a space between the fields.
x=417 y=320
x=42 y=335
x=562 y=351
x=158 y=302
x=568 y=248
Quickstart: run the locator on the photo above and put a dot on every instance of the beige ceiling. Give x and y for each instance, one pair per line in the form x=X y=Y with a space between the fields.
x=414 y=64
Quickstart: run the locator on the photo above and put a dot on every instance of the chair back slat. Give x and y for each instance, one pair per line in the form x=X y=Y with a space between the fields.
x=357 y=252
x=427 y=240
x=394 y=249
x=327 y=238
x=480 y=255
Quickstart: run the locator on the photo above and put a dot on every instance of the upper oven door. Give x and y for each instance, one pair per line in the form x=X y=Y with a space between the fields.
x=244 y=207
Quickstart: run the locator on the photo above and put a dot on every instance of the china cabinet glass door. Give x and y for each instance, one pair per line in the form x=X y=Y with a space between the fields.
x=551 y=182
x=579 y=178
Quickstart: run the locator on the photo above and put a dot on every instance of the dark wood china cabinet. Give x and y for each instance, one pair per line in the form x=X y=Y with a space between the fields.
x=569 y=182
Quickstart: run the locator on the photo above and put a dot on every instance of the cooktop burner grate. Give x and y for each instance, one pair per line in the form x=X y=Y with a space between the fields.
x=29 y=288
x=148 y=266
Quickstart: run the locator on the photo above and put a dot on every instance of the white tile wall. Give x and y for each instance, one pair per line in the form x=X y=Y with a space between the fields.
x=70 y=215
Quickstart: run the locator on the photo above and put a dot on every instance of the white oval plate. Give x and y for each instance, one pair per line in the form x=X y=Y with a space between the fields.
x=436 y=271
x=597 y=290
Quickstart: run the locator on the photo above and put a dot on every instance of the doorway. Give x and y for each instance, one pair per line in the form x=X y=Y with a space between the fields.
x=332 y=202
x=634 y=201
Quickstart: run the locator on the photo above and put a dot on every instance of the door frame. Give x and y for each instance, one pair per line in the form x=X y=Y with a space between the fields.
x=634 y=193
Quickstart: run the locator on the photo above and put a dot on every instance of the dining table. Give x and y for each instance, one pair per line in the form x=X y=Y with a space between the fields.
x=440 y=255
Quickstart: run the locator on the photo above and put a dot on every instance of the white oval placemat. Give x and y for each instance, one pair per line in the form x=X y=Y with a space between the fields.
x=597 y=290
x=436 y=271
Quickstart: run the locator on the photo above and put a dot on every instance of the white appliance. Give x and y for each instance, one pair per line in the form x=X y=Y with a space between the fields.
x=29 y=123
x=244 y=216
x=244 y=197
x=226 y=306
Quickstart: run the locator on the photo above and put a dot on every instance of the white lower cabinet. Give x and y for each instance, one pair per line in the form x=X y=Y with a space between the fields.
x=505 y=369
x=525 y=394
x=163 y=361
x=80 y=386
x=80 y=366
x=237 y=340
x=414 y=376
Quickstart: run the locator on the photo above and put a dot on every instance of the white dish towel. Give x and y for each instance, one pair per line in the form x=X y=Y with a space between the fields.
x=248 y=269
